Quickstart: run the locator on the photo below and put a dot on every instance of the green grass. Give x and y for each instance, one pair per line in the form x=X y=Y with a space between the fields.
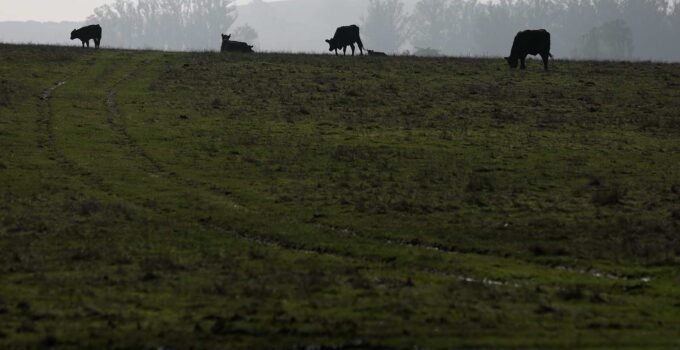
x=203 y=200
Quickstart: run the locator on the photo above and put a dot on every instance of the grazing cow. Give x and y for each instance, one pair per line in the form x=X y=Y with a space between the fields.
x=376 y=53
x=530 y=42
x=234 y=46
x=85 y=34
x=345 y=36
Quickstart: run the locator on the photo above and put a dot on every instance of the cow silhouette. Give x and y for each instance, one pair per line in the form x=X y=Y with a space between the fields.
x=345 y=36
x=85 y=34
x=234 y=46
x=376 y=53
x=530 y=42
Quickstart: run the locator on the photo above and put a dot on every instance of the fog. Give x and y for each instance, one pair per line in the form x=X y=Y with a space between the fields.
x=588 y=29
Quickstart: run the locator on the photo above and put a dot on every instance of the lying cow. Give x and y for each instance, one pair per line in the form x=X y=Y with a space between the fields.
x=85 y=34
x=345 y=36
x=530 y=42
x=376 y=53
x=234 y=46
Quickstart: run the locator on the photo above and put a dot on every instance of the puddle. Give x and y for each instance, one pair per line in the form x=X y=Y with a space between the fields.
x=602 y=274
x=48 y=93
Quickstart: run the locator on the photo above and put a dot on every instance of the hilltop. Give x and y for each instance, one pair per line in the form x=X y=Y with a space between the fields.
x=154 y=199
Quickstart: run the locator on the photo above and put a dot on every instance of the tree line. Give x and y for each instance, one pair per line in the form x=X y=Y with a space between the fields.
x=597 y=29
x=169 y=24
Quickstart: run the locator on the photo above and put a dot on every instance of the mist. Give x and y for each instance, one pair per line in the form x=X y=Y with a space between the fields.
x=582 y=29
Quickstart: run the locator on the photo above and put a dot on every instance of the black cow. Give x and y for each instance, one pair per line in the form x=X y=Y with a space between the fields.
x=345 y=36
x=234 y=46
x=376 y=53
x=85 y=34
x=530 y=42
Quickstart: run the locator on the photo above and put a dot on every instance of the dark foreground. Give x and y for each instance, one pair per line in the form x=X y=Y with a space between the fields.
x=151 y=200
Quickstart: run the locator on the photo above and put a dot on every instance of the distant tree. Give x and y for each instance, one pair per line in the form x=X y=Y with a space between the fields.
x=608 y=10
x=575 y=16
x=674 y=24
x=385 y=25
x=246 y=34
x=612 y=40
x=165 y=24
x=495 y=26
x=459 y=34
x=430 y=24
x=650 y=23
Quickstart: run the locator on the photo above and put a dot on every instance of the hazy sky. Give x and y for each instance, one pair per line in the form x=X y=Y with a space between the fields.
x=52 y=10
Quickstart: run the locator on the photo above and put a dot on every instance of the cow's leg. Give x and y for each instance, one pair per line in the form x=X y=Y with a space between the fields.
x=336 y=52
x=352 y=46
x=545 y=57
x=523 y=63
x=344 y=50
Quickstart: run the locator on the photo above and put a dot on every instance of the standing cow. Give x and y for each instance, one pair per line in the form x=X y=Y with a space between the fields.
x=345 y=36
x=530 y=42
x=85 y=34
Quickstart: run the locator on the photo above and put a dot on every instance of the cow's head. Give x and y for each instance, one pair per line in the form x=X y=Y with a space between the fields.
x=74 y=33
x=512 y=62
x=331 y=44
x=226 y=37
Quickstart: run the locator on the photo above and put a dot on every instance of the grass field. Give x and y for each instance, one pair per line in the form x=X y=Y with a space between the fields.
x=202 y=200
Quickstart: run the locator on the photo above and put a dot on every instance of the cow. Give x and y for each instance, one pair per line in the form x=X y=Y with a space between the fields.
x=376 y=53
x=231 y=46
x=345 y=36
x=85 y=34
x=530 y=42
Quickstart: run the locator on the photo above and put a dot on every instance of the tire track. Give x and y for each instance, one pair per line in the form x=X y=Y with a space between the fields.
x=267 y=241
x=444 y=249
x=71 y=167
x=157 y=168
x=117 y=125
x=46 y=127
x=115 y=122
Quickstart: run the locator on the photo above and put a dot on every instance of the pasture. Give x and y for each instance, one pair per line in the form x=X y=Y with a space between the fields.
x=177 y=200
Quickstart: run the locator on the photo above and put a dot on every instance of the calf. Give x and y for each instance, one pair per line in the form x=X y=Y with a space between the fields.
x=530 y=42
x=345 y=36
x=376 y=53
x=234 y=46
x=85 y=34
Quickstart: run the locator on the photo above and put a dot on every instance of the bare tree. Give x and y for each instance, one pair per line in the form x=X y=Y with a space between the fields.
x=612 y=40
x=461 y=17
x=385 y=25
x=430 y=24
x=165 y=24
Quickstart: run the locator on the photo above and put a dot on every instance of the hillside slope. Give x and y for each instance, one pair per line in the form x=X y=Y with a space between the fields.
x=154 y=199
